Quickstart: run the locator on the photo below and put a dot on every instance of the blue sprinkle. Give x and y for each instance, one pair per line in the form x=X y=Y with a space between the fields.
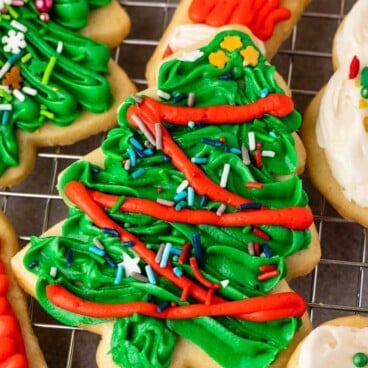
x=163 y=306
x=180 y=205
x=226 y=76
x=227 y=149
x=137 y=173
x=191 y=196
x=5 y=117
x=132 y=157
x=33 y=264
x=128 y=243
x=165 y=158
x=119 y=274
x=199 y=160
x=95 y=250
x=191 y=124
x=178 y=271
x=14 y=58
x=204 y=200
x=69 y=258
x=198 y=251
x=265 y=92
x=110 y=262
x=212 y=142
x=136 y=144
x=150 y=298
x=95 y=169
x=178 y=98
x=236 y=151
x=179 y=196
x=176 y=251
x=110 y=231
x=272 y=134
x=139 y=153
x=150 y=275
x=250 y=206
x=165 y=255
x=148 y=152
x=266 y=250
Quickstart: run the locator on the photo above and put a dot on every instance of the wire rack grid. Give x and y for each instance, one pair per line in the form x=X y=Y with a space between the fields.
x=336 y=287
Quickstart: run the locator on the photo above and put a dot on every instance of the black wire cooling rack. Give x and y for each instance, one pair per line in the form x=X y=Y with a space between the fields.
x=336 y=287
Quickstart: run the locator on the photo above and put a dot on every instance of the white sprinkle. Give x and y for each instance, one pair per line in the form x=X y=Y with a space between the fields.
x=182 y=186
x=4 y=69
x=221 y=209
x=19 y=26
x=137 y=99
x=7 y=107
x=268 y=153
x=251 y=249
x=158 y=132
x=59 y=47
x=191 y=99
x=224 y=283
x=19 y=95
x=163 y=94
x=165 y=202
x=5 y=88
x=142 y=127
x=225 y=176
x=98 y=244
x=252 y=141
x=127 y=165
x=53 y=271
x=29 y=91
x=245 y=155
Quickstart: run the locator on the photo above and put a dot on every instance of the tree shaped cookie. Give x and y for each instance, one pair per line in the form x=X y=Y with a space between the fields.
x=57 y=86
x=195 y=20
x=183 y=225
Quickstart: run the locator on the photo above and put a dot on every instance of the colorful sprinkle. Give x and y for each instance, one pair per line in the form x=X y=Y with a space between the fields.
x=360 y=359
x=119 y=274
x=150 y=274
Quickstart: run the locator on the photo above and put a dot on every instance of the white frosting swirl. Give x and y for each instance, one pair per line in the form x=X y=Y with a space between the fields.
x=332 y=346
x=186 y=35
x=340 y=131
x=353 y=34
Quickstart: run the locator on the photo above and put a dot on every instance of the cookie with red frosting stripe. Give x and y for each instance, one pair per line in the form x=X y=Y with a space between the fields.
x=185 y=223
x=18 y=344
x=194 y=20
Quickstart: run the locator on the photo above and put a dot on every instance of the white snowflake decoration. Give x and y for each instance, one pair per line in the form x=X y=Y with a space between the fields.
x=14 y=42
x=5 y=2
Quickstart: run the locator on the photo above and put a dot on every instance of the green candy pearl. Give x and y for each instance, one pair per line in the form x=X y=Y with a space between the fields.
x=364 y=92
x=360 y=359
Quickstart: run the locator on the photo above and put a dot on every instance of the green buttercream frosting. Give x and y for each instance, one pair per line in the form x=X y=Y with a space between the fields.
x=49 y=74
x=227 y=258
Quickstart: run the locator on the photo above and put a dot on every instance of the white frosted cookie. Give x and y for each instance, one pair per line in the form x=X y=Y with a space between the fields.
x=196 y=20
x=58 y=89
x=335 y=128
x=186 y=222
x=340 y=342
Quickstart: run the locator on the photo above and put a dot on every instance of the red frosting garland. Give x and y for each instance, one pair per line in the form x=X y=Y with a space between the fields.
x=12 y=349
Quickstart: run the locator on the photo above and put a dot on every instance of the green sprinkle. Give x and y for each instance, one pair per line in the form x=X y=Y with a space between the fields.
x=117 y=204
x=47 y=114
x=172 y=239
x=48 y=70
x=246 y=229
x=26 y=58
x=164 y=175
x=11 y=11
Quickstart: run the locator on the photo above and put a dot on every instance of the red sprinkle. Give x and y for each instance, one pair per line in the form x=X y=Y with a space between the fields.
x=261 y=233
x=354 y=67
x=254 y=185
x=256 y=248
x=184 y=253
x=258 y=158
x=268 y=268
x=268 y=275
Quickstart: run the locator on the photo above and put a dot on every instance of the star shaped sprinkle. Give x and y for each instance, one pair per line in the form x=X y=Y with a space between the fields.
x=250 y=56
x=218 y=59
x=231 y=43
x=130 y=264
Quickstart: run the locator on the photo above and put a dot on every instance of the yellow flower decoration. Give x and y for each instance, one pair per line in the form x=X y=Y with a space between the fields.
x=363 y=104
x=231 y=43
x=218 y=59
x=250 y=56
